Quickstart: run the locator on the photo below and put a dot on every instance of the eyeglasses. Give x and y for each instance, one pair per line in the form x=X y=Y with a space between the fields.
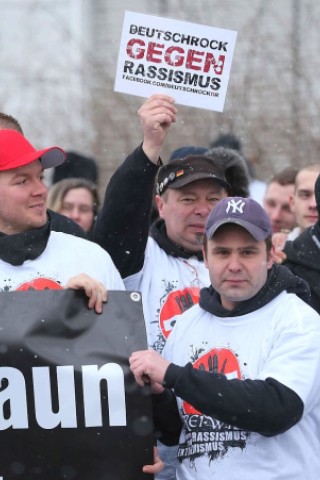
x=83 y=209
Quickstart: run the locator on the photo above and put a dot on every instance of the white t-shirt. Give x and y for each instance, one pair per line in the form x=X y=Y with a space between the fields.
x=257 y=190
x=169 y=286
x=294 y=233
x=64 y=256
x=281 y=340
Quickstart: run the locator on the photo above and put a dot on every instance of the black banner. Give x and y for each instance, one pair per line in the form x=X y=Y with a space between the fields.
x=69 y=406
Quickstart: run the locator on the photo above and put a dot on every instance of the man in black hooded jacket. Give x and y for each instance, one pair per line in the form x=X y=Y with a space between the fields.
x=303 y=255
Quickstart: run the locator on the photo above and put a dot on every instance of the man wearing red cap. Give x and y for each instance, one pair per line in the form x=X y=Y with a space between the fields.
x=59 y=223
x=32 y=255
x=29 y=249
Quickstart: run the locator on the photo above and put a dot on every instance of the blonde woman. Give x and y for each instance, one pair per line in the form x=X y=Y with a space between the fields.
x=76 y=198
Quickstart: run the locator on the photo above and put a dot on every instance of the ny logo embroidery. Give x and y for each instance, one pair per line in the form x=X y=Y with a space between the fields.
x=235 y=205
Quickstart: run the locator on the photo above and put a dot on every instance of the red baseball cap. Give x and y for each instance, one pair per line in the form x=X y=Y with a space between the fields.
x=16 y=151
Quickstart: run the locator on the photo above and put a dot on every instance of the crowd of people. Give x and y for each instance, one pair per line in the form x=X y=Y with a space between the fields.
x=227 y=270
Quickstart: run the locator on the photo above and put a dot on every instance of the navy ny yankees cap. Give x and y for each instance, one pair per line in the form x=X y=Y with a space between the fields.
x=245 y=212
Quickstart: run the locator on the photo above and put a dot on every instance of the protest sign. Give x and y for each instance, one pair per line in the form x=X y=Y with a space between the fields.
x=187 y=61
x=69 y=405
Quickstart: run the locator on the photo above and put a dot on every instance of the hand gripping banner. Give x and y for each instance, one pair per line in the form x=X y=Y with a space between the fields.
x=69 y=406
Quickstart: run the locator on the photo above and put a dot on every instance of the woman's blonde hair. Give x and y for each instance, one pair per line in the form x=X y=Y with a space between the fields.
x=59 y=190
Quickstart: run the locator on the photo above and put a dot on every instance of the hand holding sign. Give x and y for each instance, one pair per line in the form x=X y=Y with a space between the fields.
x=95 y=290
x=156 y=116
x=156 y=467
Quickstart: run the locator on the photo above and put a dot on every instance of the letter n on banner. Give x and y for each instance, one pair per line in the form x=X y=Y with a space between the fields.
x=69 y=405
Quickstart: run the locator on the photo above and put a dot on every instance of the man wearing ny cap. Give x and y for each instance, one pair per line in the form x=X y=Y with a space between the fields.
x=238 y=385
x=32 y=255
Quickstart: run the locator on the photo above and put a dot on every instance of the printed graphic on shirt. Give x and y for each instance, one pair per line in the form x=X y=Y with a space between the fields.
x=173 y=303
x=38 y=283
x=205 y=435
x=176 y=303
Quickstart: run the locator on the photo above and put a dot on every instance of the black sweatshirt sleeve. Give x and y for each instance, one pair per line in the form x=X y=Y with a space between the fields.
x=122 y=225
x=61 y=223
x=264 y=406
x=166 y=418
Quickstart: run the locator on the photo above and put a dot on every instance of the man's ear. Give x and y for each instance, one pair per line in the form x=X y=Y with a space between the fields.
x=159 y=201
x=292 y=203
x=204 y=253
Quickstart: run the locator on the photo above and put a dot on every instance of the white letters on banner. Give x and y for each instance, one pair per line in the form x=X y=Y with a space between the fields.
x=66 y=417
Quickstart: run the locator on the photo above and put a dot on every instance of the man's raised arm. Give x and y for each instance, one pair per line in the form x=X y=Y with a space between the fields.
x=123 y=222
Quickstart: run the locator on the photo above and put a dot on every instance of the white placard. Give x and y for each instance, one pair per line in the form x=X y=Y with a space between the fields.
x=188 y=61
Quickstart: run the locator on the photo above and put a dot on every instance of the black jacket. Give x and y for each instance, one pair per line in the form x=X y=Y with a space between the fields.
x=122 y=225
x=61 y=223
x=303 y=259
x=17 y=248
